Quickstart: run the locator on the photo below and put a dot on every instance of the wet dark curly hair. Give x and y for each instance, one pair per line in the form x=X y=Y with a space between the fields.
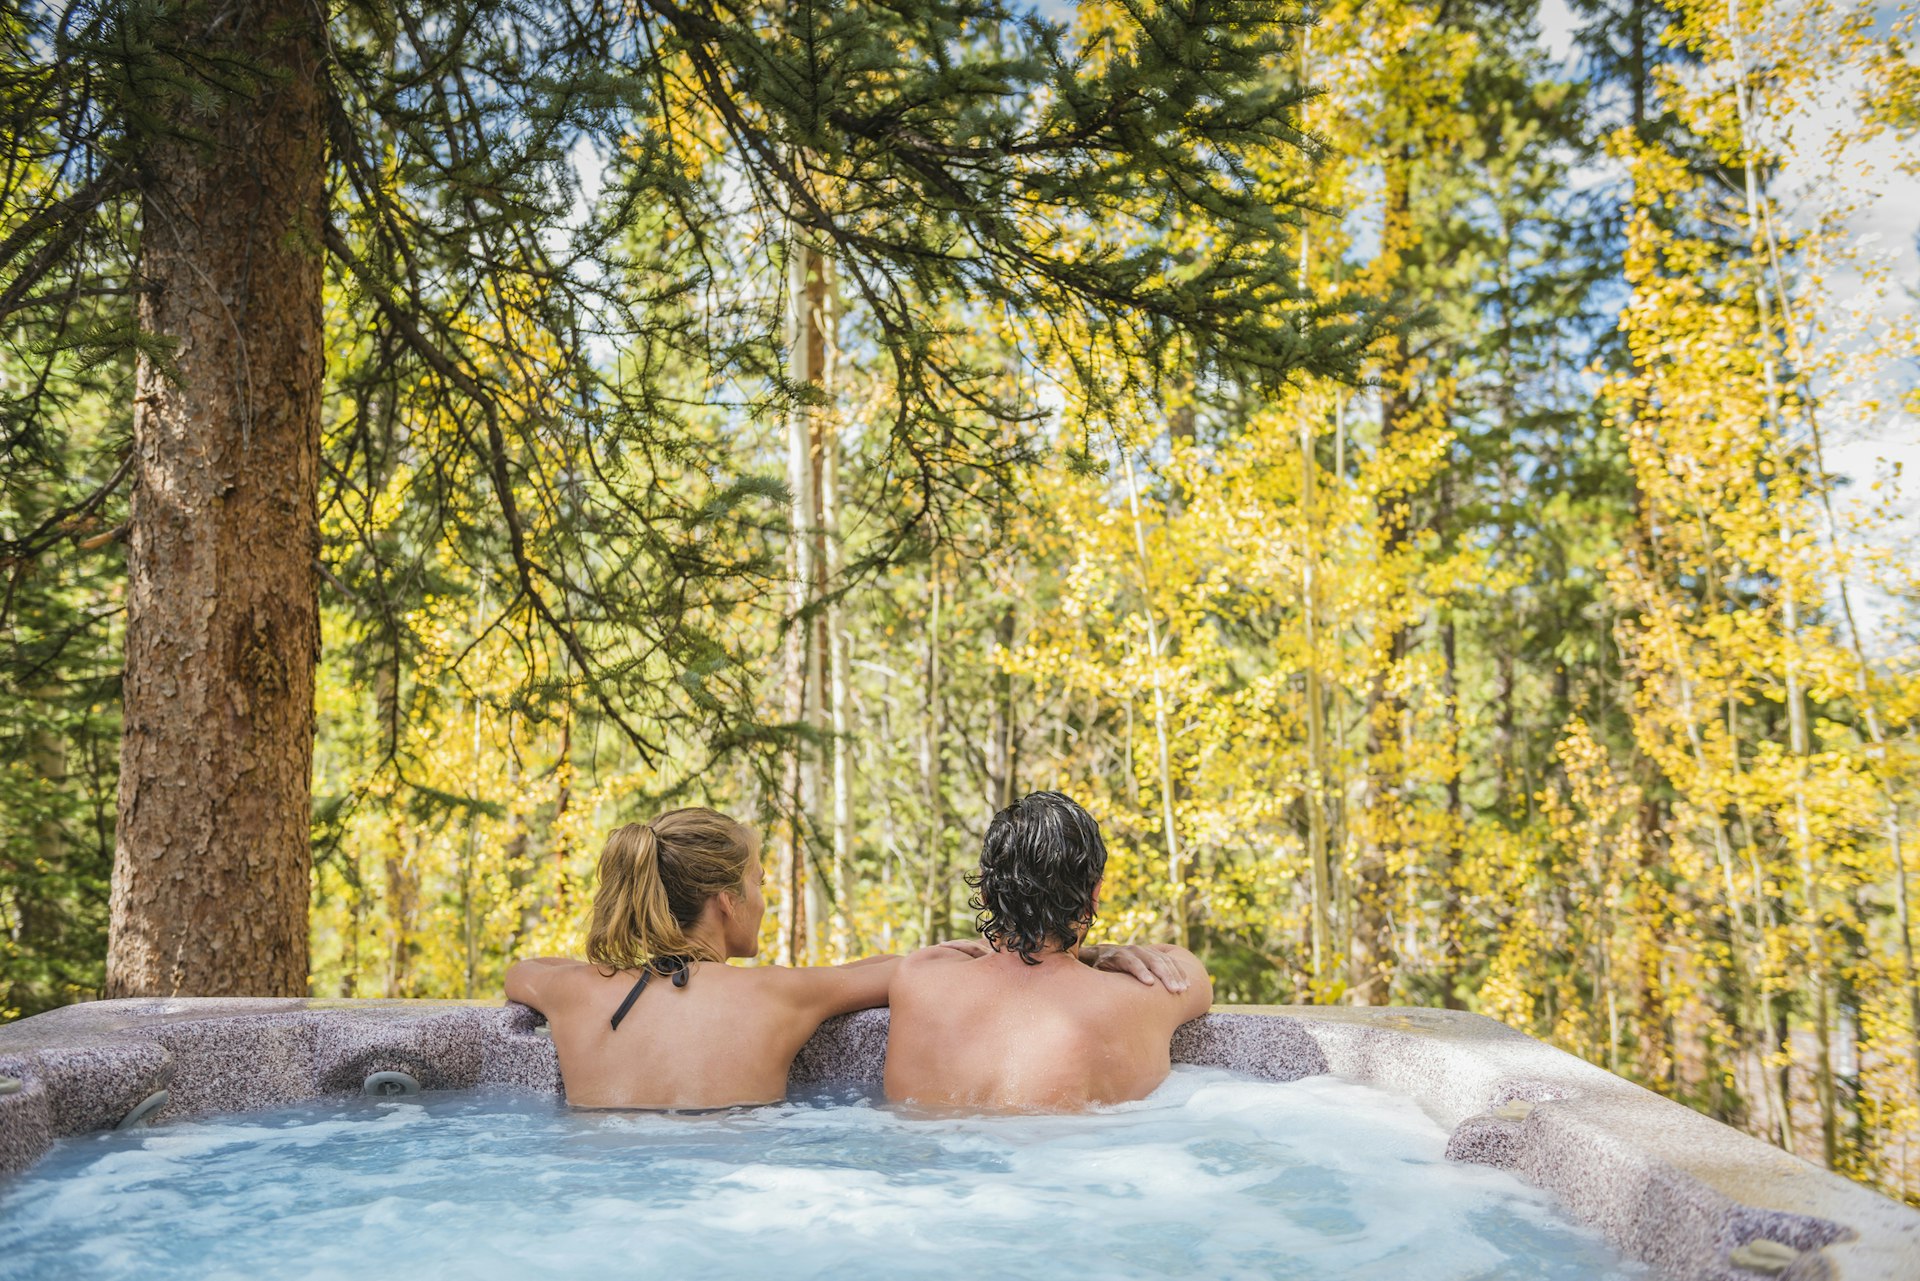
x=1038 y=871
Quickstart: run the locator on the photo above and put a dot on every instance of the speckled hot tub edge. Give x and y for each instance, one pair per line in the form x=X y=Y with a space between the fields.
x=1687 y=1195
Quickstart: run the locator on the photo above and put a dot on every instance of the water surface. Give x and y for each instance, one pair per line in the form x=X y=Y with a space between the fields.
x=1215 y=1176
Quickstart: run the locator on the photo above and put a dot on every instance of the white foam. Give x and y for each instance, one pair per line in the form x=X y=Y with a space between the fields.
x=1215 y=1175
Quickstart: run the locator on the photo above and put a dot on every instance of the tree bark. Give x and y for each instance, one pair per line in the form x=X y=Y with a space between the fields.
x=562 y=802
x=1320 y=941
x=1800 y=744
x=212 y=862
x=838 y=647
x=1001 y=764
x=1316 y=772
x=936 y=912
x=1452 y=931
x=805 y=359
x=1179 y=894
x=1371 y=960
x=403 y=904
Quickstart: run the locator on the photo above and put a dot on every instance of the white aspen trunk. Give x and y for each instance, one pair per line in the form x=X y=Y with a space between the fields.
x=1316 y=728
x=1752 y=979
x=934 y=890
x=1799 y=739
x=802 y=659
x=1001 y=761
x=1339 y=834
x=467 y=939
x=839 y=708
x=1309 y=614
x=1176 y=866
x=1862 y=683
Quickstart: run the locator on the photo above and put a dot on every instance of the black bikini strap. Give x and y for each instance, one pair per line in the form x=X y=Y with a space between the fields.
x=632 y=996
x=674 y=965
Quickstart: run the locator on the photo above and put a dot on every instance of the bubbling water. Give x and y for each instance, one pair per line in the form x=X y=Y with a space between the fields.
x=1215 y=1176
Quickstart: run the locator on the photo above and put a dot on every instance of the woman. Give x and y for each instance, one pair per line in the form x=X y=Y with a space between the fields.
x=655 y=1018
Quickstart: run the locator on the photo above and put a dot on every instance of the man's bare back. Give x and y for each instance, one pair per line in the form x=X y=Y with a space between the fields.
x=994 y=1032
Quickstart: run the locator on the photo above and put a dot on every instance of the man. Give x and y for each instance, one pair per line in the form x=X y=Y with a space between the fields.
x=1021 y=1021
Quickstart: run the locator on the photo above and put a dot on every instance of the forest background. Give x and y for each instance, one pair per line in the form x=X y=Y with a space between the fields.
x=1386 y=472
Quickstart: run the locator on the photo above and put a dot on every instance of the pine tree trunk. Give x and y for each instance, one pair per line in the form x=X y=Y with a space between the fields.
x=37 y=920
x=403 y=902
x=842 y=711
x=1512 y=804
x=356 y=923
x=211 y=866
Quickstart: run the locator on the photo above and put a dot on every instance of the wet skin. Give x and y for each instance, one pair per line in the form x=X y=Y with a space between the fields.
x=729 y=1036
x=977 y=1029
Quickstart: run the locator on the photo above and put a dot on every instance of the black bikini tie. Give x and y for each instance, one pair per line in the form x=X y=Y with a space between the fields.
x=677 y=966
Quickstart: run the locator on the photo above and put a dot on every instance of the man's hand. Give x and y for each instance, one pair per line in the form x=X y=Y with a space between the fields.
x=968 y=947
x=1144 y=963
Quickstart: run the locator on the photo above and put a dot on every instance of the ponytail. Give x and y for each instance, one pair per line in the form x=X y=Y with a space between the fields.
x=654 y=882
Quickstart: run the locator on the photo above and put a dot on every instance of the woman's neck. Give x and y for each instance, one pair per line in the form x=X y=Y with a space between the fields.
x=706 y=938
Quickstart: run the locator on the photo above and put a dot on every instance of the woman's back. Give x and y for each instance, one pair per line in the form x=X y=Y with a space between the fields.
x=687 y=885
x=729 y=1036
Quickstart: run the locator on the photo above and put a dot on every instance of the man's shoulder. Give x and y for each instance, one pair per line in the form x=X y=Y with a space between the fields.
x=1156 y=1000
x=938 y=959
x=940 y=974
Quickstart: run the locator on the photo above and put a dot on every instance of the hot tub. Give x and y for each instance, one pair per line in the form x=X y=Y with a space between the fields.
x=1683 y=1195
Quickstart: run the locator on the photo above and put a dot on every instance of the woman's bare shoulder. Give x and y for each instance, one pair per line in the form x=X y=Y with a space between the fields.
x=548 y=981
x=742 y=980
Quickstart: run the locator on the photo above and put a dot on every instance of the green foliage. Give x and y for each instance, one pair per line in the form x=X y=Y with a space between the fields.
x=1135 y=480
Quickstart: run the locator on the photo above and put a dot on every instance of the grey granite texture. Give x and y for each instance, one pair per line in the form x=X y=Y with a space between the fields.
x=1280 y=1049
x=1692 y=1198
x=850 y=1049
x=1664 y=1184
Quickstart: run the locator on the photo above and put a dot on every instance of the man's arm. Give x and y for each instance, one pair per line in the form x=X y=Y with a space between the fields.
x=1197 y=997
x=1149 y=962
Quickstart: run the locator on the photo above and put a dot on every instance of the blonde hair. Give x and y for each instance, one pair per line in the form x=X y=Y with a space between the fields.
x=656 y=878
